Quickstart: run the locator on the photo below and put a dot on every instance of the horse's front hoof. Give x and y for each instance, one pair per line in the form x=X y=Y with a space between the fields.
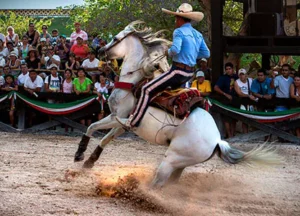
x=78 y=157
x=88 y=165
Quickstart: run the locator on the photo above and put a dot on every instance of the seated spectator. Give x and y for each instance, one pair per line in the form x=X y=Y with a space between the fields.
x=67 y=86
x=50 y=58
x=13 y=61
x=62 y=49
x=33 y=35
x=12 y=36
x=72 y=63
x=261 y=89
x=53 y=82
x=78 y=33
x=33 y=83
x=54 y=37
x=32 y=60
x=8 y=86
x=242 y=87
x=2 y=48
x=45 y=34
x=281 y=84
x=102 y=92
x=202 y=63
x=24 y=48
x=225 y=88
x=9 y=48
x=6 y=70
x=42 y=47
x=91 y=64
x=295 y=95
x=80 y=49
x=2 y=61
x=82 y=85
x=201 y=84
x=24 y=75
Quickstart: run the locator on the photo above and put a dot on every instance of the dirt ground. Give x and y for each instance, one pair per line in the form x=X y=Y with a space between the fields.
x=38 y=177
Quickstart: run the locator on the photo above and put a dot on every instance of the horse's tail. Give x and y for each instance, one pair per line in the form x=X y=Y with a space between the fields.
x=261 y=155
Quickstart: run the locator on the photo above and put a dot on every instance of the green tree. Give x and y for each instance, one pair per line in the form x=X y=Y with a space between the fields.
x=20 y=23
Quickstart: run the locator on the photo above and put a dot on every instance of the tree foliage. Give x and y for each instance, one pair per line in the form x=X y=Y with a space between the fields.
x=20 y=23
x=108 y=17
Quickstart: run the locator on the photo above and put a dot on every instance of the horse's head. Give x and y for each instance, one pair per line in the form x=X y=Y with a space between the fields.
x=141 y=50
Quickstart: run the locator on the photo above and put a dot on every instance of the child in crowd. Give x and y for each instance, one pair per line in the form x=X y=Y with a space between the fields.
x=102 y=91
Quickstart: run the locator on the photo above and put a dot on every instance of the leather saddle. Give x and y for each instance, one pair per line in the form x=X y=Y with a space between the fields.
x=179 y=102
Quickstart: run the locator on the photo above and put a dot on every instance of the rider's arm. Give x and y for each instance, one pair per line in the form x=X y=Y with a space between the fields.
x=203 y=51
x=177 y=43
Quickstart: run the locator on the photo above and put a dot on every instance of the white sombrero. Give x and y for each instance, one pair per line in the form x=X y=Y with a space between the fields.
x=186 y=10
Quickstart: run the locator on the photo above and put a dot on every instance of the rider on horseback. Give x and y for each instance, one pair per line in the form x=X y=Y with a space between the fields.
x=188 y=46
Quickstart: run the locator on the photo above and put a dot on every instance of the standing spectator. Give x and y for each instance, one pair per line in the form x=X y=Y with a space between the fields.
x=242 y=87
x=8 y=86
x=202 y=63
x=62 y=49
x=80 y=49
x=72 y=63
x=53 y=82
x=12 y=37
x=82 y=85
x=91 y=64
x=203 y=86
x=24 y=48
x=78 y=33
x=102 y=92
x=262 y=90
x=33 y=35
x=282 y=85
x=295 y=95
x=50 y=58
x=13 y=62
x=225 y=88
x=34 y=83
x=67 y=86
x=9 y=48
x=24 y=74
x=45 y=34
x=32 y=60
x=54 y=37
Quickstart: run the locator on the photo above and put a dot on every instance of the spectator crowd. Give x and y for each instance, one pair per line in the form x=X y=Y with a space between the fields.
x=38 y=62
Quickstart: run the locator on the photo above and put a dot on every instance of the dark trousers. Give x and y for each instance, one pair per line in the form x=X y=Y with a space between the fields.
x=174 y=79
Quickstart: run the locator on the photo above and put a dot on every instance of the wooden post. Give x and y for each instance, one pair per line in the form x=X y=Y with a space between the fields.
x=21 y=118
x=217 y=39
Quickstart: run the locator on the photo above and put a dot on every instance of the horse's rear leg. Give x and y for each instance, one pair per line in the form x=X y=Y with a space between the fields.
x=163 y=173
x=113 y=133
x=175 y=176
x=105 y=123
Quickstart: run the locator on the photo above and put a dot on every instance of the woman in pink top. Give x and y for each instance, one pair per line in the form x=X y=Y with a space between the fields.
x=68 y=83
x=80 y=49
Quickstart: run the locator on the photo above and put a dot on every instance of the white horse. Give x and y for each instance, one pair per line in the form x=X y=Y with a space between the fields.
x=192 y=141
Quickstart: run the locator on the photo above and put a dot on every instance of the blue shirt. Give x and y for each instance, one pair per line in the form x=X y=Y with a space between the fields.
x=188 y=45
x=262 y=88
x=282 y=86
x=226 y=83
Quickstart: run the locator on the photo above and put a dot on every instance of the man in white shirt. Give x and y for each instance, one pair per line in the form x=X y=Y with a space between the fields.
x=24 y=74
x=9 y=48
x=33 y=83
x=78 y=33
x=50 y=58
x=91 y=64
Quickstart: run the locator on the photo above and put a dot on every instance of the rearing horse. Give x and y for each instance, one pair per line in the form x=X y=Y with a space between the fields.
x=192 y=141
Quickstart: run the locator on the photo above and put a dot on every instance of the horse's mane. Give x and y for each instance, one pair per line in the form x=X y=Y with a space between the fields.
x=154 y=43
x=146 y=35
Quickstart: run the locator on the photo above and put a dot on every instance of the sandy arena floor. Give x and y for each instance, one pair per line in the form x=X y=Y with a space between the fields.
x=38 y=177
